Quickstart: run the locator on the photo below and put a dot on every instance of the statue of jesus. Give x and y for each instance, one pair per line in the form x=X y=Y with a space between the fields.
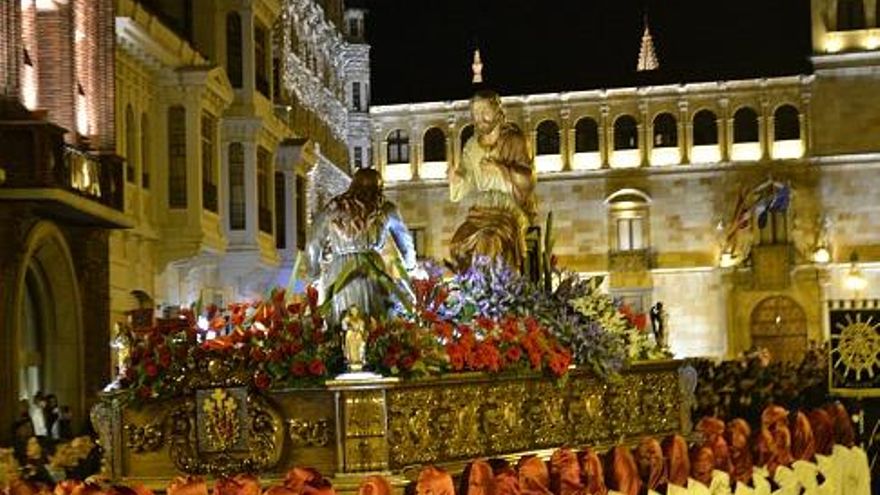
x=496 y=179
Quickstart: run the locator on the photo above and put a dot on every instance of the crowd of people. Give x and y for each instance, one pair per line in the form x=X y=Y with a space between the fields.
x=743 y=387
x=44 y=448
x=797 y=452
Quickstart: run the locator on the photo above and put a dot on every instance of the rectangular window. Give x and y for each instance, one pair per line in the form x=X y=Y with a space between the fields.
x=209 y=172
x=280 y=212
x=354 y=28
x=237 y=204
x=300 y=212
x=358 y=157
x=261 y=53
x=356 y=96
x=263 y=181
x=418 y=237
x=176 y=157
x=629 y=234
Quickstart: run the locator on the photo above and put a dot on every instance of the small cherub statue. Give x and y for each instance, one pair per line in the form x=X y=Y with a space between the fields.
x=355 y=346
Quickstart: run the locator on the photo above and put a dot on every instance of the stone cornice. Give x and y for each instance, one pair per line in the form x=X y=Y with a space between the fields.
x=146 y=38
x=598 y=96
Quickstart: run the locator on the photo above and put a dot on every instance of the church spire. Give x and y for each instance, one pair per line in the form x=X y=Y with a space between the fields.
x=647 y=54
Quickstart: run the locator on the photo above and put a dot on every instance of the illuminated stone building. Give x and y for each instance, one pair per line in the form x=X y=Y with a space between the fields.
x=61 y=192
x=228 y=121
x=644 y=182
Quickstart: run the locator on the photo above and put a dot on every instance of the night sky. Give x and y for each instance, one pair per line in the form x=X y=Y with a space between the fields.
x=422 y=49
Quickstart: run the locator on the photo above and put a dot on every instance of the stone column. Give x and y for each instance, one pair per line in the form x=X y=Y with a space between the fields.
x=645 y=128
x=804 y=120
x=724 y=123
x=765 y=129
x=685 y=133
x=415 y=152
x=251 y=201
x=606 y=137
x=450 y=143
x=565 y=138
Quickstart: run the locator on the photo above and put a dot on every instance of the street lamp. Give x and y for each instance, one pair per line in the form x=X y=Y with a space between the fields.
x=854 y=279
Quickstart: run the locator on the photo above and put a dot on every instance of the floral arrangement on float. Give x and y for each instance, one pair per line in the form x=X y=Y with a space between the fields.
x=487 y=318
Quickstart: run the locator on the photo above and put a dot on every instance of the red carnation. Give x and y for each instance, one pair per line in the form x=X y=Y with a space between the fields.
x=316 y=367
x=298 y=368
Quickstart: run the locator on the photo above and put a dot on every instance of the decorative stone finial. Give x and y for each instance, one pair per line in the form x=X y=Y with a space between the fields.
x=477 y=67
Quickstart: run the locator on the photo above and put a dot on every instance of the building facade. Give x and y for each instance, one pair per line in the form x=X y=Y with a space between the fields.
x=61 y=193
x=232 y=123
x=646 y=186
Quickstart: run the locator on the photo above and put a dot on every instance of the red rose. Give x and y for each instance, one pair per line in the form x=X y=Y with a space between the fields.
x=295 y=308
x=262 y=380
x=257 y=354
x=298 y=368
x=151 y=369
x=145 y=392
x=316 y=367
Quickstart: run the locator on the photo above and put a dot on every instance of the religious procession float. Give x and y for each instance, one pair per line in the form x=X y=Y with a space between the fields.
x=385 y=365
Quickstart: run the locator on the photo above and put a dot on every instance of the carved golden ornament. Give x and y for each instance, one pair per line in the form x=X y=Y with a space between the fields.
x=304 y=433
x=487 y=417
x=147 y=438
x=365 y=443
x=221 y=422
x=260 y=441
x=858 y=347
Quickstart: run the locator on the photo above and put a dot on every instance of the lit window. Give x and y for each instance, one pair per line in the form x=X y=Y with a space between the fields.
x=234 y=49
x=418 y=238
x=786 y=123
x=358 y=157
x=745 y=126
x=301 y=213
x=209 y=172
x=626 y=133
x=356 y=96
x=177 y=157
x=705 y=128
x=435 y=145
x=629 y=234
x=586 y=136
x=130 y=146
x=261 y=55
x=547 y=138
x=280 y=211
x=398 y=147
x=665 y=131
x=264 y=210
x=145 y=152
x=237 y=209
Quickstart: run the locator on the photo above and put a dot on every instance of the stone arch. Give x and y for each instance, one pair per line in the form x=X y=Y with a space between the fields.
x=46 y=272
x=779 y=323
